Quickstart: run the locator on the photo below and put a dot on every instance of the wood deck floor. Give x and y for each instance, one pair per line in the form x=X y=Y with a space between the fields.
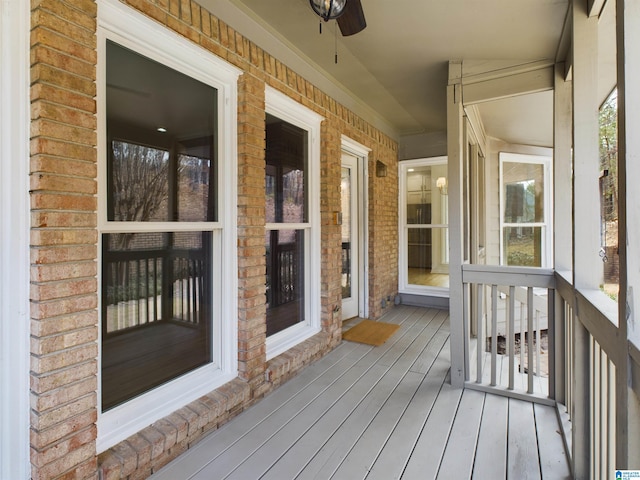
x=381 y=413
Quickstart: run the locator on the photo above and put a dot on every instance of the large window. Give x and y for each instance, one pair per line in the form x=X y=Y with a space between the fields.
x=166 y=166
x=525 y=210
x=292 y=229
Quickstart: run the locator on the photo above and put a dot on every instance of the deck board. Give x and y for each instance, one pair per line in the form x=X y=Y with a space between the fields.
x=522 y=446
x=381 y=413
x=457 y=461
x=553 y=460
x=491 y=454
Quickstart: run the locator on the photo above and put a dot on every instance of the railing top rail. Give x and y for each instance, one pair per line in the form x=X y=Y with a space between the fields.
x=505 y=275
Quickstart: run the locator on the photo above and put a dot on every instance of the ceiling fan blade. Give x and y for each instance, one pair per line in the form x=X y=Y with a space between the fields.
x=352 y=19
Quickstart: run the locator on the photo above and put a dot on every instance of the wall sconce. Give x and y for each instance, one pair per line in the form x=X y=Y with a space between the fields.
x=381 y=169
x=441 y=183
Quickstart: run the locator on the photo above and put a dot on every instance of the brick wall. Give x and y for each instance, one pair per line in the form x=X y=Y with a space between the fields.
x=64 y=237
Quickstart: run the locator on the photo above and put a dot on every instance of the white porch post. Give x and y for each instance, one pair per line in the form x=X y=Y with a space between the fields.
x=587 y=270
x=562 y=228
x=14 y=239
x=628 y=64
x=562 y=170
x=455 y=158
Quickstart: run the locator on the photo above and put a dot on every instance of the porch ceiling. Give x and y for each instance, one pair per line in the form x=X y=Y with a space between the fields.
x=397 y=66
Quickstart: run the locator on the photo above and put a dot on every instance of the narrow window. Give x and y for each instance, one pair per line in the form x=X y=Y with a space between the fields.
x=292 y=230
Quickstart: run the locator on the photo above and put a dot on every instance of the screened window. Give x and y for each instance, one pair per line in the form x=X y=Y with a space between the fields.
x=157 y=247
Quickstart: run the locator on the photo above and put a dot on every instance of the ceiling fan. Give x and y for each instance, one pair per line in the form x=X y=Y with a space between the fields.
x=348 y=14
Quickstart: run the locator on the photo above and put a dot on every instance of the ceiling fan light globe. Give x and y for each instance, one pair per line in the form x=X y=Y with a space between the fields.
x=328 y=9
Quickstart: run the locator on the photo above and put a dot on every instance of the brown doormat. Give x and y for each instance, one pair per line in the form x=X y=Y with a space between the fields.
x=370 y=332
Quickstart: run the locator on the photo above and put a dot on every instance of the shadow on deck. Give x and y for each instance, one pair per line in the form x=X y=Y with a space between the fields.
x=384 y=413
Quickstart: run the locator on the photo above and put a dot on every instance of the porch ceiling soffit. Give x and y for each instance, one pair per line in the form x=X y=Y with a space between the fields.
x=507 y=100
x=245 y=21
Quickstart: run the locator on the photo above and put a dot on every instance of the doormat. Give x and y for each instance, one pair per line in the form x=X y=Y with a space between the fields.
x=370 y=332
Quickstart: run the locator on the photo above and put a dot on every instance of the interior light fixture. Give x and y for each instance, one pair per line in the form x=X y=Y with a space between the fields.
x=441 y=183
x=161 y=130
x=328 y=9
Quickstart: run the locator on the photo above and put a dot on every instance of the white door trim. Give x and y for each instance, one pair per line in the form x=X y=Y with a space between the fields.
x=362 y=152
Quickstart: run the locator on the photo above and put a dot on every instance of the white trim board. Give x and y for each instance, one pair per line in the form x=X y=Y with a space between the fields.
x=14 y=239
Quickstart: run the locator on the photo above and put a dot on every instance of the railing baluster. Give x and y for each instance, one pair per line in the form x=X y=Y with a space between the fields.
x=481 y=340
x=466 y=331
x=512 y=336
x=530 y=340
x=611 y=416
x=494 y=334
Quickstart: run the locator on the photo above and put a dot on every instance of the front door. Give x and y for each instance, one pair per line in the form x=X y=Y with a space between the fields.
x=350 y=236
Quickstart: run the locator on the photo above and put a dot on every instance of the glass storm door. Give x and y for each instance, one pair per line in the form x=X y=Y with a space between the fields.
x=350 y=238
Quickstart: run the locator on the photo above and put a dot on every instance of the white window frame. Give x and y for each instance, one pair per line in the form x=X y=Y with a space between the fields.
x=14 y=239
x=127 y=27
x=547 y=224
x=403 y=232
x=287 y=109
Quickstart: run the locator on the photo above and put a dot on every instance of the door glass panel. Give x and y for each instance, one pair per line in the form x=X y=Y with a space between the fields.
x=345 y=188
x=427 y=218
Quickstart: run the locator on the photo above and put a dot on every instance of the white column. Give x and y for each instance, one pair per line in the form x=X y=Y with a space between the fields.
x=587 y=268
x=14 y=239
x=455 y=164
x=562 y=171
x=628 y=52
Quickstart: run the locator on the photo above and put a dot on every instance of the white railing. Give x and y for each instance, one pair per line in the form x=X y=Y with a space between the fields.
x=589 y=375
x=508 y=313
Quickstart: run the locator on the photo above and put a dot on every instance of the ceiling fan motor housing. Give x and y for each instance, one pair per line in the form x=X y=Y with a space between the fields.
x=328 y=9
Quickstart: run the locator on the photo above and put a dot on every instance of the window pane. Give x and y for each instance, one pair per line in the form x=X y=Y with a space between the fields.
x=524 y=192
x=419 y=183
x=428 y=257
x=609 y=195
x=345 y=199
x=156 y=304
x=286 y=176
x=285 y=279
x=140 y=179
x=523 y=246
x=162 y=147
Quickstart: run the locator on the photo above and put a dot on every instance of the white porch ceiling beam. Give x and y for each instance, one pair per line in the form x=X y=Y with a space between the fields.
x=508 y=85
